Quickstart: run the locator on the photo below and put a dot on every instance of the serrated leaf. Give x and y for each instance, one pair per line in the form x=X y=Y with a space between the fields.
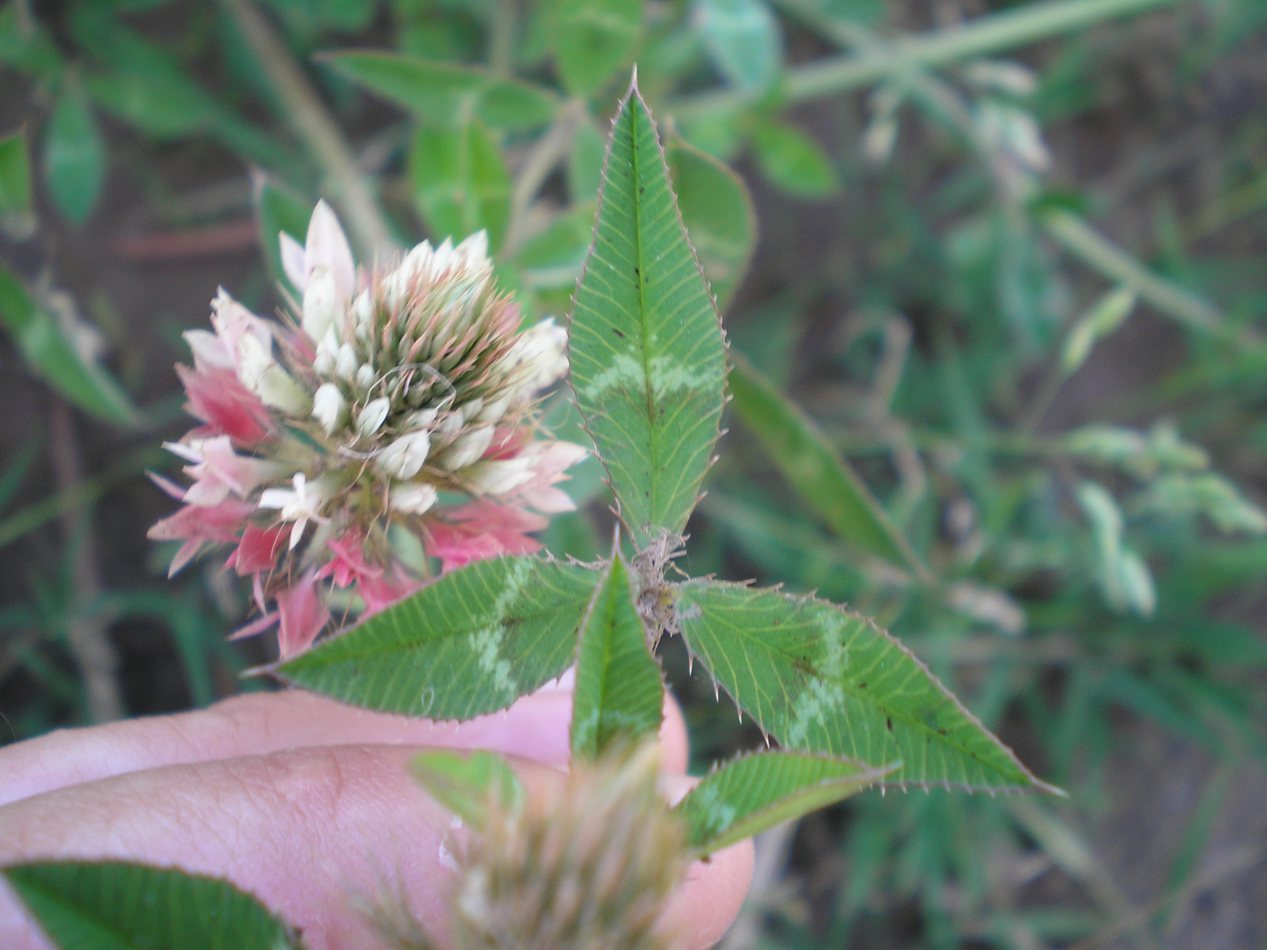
x=820 y=679
x=118 y=905
x=447 y=94
x=751 y=794
x=593 y=40
x=460 y=182
x=471 y=642
x=792 y=160
x=619 y=693
x=74 y=156
x=646 y=347
x=15 y=175
x=52 y=355
x=466 y=782
x=821 y=477
x=743 y=40
x=718 y=214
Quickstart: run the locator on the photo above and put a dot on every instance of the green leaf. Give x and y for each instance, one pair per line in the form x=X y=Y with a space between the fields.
x=465 y=782
x=447 y=94
x=146 y=84
x=46 y=347
x=460 y=182
x=593 y=40
x=26 y=46
x=15 y=175
x=821 y=477
x=74 y=156
x=1122 y=574
x=471 y=642
x=718 y=214
x=757 y=792
x=646 y=347
x=554 y=258
x=585 y=163
x=619 y=691
x=158 y=108
x=820 y=679
x=117 y=905
x=792 y=160
x=743 y=40
x=1101 y=319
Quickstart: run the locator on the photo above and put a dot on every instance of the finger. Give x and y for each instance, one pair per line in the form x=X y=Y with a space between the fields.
x=307 y=831
x=536 y=728
x=715 y=888
x=260 y=723
x=708 y=903
x=674 y=743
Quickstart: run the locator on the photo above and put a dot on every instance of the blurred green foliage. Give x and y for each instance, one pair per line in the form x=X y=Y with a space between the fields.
x=1008 y=267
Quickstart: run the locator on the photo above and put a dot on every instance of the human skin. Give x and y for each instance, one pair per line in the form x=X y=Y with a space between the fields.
x=304 y=802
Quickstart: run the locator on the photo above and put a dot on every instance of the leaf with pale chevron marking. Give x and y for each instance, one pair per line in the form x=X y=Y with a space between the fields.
x=745 y=797
x=821 y=679
x=470 y=642
x=619 y=690
x=646 y=350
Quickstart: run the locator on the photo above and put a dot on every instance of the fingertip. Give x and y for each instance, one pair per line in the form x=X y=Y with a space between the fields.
x=674 y=743
x=711 y=896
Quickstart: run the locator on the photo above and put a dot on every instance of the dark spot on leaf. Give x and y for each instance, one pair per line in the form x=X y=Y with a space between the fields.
x=618 y=333
x=862 y=684
x=888 y=723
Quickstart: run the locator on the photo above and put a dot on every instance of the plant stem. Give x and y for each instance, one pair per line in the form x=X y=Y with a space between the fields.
x=540 y=161
x=1084 y=242
x=315 y=128
x=980 y=37
x=88 y=634
x=68 y=498
x=502 y=27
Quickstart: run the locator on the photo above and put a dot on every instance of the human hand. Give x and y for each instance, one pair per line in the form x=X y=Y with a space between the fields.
x=306 y=803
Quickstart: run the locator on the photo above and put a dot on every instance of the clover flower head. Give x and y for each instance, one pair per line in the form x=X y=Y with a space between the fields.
x=395 y=398
x=590 y=864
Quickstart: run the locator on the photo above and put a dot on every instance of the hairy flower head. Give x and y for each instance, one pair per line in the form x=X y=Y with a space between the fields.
x=401 y=398
x=590 y=862
x=588 y=865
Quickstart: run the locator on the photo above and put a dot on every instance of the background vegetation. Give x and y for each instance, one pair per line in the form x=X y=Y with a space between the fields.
x=1005 y=262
